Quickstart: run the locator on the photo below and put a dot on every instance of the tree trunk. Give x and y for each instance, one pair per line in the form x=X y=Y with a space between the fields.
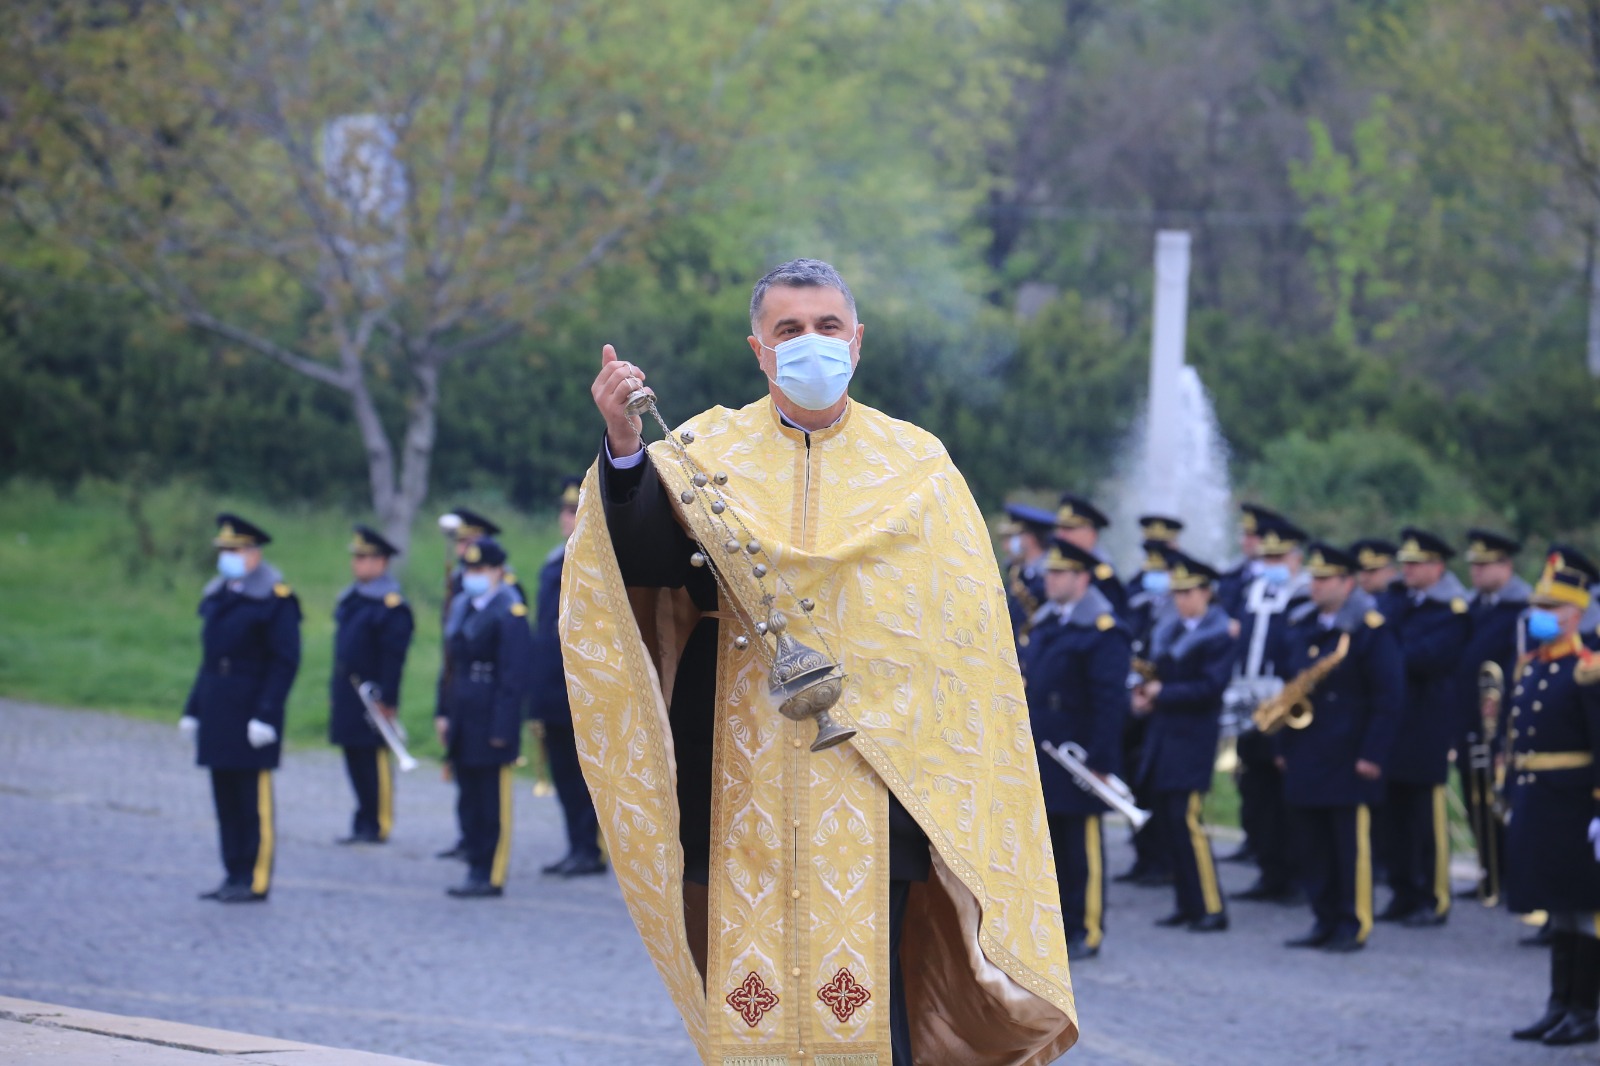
x=416 y=456
x=1594 y=309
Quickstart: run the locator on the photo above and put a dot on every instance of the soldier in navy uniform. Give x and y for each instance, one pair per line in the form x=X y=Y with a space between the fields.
x=1379 y=573
x=1553 y=788
x=1279 y=587
x=1333 y=767
x=1028 y=531
x=1193 y=650
x=1081 y=522
x=1233 y=582
x=1077 y=674
x=1494 y=609
x=551 y=708
x=483 y=699
x=1147 y=590
x=1432 y=627
x=250 y=644
x=1149 y=600
x=373 y=627
x=465 y=528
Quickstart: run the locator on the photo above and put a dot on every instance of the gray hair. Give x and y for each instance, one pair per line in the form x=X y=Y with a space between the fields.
x=798 y=274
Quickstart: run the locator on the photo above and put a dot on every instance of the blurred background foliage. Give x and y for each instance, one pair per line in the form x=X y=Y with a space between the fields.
x=1395 y=225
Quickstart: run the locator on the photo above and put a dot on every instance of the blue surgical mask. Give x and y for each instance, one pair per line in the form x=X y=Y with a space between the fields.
x=476 y=584
x=1157 y=581
x=231 y=565
x=1014 y=546
x=813 y=370
x=1277 y=574
x=1543 y=625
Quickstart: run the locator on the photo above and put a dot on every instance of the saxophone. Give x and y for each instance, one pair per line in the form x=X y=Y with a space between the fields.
x=1292 y=706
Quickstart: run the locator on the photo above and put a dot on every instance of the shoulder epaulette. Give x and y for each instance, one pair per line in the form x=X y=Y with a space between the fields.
x=519 y=610
x=1587 y=672
x=282 y=591
x=1458 y=605
x=1374 y=619
x=394 y=599
x=1105 y=622
x=1103 y=572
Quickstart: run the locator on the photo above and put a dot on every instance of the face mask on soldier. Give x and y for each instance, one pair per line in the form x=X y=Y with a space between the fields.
x=1543 y=625
x=231 y=565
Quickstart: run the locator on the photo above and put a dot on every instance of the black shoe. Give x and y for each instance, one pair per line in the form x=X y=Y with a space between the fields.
x=1424 y=919
x=1261 y=892
x=1314 y=939
x=475 y=890
x=459 y=851
x=1211 y=923
x=1554 y=1015
x=1540 y=939
x=559 y=867
x=584 y=866
x=1343 y=945
x=1078 y=948
x=367 y=837
x=1578 y=1027
x=1175 y=919
x=1392 y=913
x=239 y=894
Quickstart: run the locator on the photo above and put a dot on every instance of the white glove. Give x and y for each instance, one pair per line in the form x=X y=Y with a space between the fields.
x=1594 y=837
x=259 y=733
x=189 y=727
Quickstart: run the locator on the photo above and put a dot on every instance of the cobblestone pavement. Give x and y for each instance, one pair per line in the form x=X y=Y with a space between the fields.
x=107 y=834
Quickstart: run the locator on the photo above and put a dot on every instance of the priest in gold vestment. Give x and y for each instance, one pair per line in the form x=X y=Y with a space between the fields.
x=885 y=901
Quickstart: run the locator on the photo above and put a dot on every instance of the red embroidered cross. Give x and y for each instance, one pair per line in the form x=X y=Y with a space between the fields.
x=843 y=996
x=752 y=999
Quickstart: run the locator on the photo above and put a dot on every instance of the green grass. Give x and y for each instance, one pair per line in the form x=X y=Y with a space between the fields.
x=98 y=590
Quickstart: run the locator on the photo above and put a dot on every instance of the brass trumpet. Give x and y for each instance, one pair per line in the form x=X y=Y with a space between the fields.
x=1292 y=707
x=1484 y=784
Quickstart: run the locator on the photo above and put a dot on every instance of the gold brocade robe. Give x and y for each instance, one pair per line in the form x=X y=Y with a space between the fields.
x=871 y=520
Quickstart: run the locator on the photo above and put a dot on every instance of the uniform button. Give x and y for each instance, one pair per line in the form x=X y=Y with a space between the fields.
x=795 y=972
x=798 y=742
x=1544 y=684
x=1555 y=668
x=794 y=893
x=1538 y=706
x=1517 y=691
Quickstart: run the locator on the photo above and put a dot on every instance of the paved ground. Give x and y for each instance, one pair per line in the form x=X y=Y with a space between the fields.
x=106 y=835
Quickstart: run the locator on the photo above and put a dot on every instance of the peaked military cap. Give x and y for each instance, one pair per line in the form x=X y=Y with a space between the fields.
x=1325 y=560
x=369 y=541
x=1253 y=515
x=1187 y=571
x=1064 y=555
x=1487 y=546
x=1420 y=546
x=1374 y=553
x=486 y=552
x=1160 y=527
x=1276 y=535
x=1155 y=555
x=1025 y=519
x=235 y=532
x=468 y=525
x=1568 y=576
x=1074 y=512
x=569 y=492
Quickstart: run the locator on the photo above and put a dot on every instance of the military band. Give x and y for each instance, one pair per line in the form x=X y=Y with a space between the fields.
x=1363 y=673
